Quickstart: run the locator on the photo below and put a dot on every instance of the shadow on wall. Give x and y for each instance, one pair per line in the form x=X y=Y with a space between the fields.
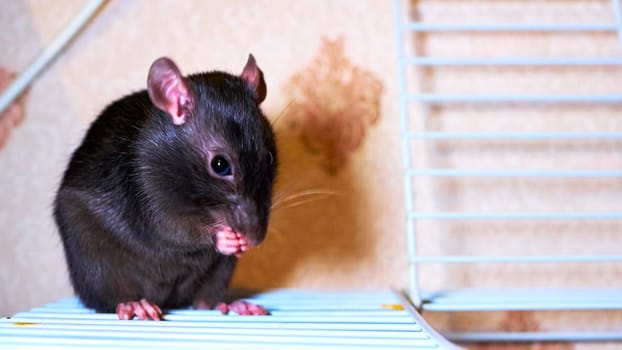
x=317 y=225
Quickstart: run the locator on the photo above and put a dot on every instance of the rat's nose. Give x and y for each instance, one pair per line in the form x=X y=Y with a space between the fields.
x=246 y=221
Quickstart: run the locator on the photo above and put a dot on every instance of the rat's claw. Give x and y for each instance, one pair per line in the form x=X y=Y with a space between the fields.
x=153 y=310
x=142 y=309
x=223 y=307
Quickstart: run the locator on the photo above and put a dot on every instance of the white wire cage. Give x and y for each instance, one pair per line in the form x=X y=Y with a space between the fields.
x=516 y=104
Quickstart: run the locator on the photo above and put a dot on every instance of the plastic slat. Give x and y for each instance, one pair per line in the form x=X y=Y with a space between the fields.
x=514 y=61
x=446 y=259
x=446 y=135
x=522 y=299
x=513 y=173
x=514 y=216
x=500 y=27
x=467 y=337
x=517 y=98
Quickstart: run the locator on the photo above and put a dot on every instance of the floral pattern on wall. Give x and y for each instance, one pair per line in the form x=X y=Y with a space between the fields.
x=522 y=321
x=13 y=115
x=334 y=103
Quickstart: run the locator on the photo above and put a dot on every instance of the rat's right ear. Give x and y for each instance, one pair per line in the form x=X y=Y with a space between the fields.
x=168 y=91
x=254 y=78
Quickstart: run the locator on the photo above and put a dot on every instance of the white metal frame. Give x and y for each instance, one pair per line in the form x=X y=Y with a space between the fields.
x=488 y=300
x=50 y=52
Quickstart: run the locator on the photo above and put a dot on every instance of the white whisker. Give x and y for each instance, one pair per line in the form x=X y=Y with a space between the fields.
x=278 y=117
x=301 y=198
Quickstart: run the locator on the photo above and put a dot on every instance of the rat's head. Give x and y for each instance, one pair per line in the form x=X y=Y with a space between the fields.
x=208 y=156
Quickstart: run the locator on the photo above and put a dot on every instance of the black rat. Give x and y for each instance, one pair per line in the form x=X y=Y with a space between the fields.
x=168 y=188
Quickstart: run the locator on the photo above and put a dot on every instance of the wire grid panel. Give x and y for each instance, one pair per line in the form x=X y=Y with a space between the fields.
x=511 y=147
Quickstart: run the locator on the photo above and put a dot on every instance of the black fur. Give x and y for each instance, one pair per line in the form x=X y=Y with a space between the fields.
x=136 y=202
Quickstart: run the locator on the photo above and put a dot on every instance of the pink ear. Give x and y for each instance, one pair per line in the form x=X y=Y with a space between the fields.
x=254 y=77
x=168 y=91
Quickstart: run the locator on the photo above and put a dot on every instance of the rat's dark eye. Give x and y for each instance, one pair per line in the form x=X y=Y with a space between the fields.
x=221 y=166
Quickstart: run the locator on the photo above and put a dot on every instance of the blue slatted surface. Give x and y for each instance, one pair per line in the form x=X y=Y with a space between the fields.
x=298 y=320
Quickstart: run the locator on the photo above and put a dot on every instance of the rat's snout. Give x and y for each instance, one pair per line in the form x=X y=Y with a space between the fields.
x=247 y=220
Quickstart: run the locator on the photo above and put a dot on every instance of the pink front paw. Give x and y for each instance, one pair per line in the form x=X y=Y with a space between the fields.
x=229 y=242
x=242 y=307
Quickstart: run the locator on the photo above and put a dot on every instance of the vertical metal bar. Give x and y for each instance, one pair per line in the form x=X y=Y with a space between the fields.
x=414 y=291
x=618 y=13
x=28 y=75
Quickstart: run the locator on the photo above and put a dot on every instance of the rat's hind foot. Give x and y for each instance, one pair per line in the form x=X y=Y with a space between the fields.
x=242 y=307
x=142 y=309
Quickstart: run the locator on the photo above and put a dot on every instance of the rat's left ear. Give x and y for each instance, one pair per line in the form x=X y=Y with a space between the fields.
x=168 y=91
x=254 y=77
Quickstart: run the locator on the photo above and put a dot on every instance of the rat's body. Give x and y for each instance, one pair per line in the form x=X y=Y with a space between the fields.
x=168 y=188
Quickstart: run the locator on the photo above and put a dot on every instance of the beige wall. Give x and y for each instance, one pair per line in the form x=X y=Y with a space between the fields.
x=343 y=240
x=354 y=238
